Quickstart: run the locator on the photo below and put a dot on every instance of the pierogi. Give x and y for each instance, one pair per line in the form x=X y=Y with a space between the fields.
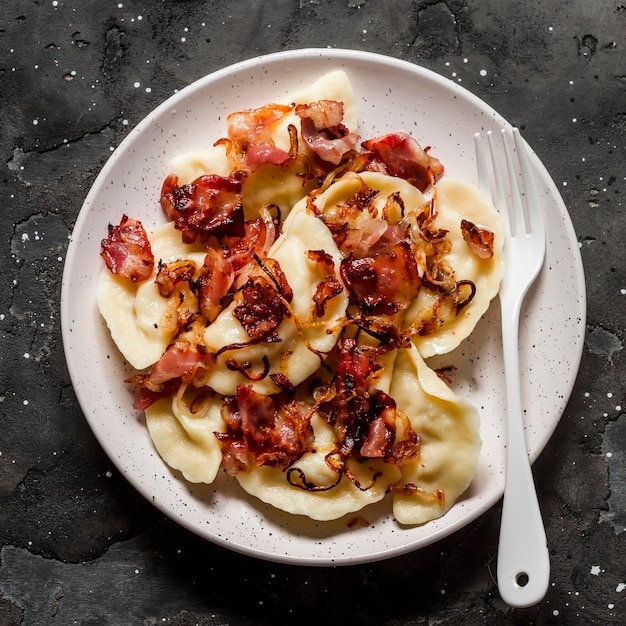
x=455 y=200
x=281 y=319
x=296 y=354
x=448 y=427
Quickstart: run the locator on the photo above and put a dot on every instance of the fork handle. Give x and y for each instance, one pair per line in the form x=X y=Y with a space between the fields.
x=523 y=559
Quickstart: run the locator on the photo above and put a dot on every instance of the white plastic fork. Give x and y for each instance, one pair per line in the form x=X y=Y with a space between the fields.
x=523 y=560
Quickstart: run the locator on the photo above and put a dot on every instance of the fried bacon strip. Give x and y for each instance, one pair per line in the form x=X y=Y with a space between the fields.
x=364 y=418
x=250 y=142
x=273 y=270
x=259 y=309
x=323 y=131
x=262 y=430
x=244 y=253
x=213 y=283
x=354 y=369
x=384 y=282
x=330 y=286
x=127 y=251
x=210 y=205
x=399 y=154
x=179 y=363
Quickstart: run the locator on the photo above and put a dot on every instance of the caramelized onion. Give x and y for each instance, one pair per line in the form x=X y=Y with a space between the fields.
x=480 y=240
x=302 y=483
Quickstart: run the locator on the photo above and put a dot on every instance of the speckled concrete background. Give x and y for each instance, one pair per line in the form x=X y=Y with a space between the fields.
x=77 y=544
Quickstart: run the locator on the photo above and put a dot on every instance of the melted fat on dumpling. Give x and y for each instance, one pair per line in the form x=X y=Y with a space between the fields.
x=291 y=356
x=458 y=200
x=270 y=485
x=184 y=439
x=136 y=315
x=448 y=427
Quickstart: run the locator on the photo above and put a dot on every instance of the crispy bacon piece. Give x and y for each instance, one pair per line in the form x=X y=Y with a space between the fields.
x=240 y=251
x=260 y=310
x=324 y=261
x=127 y=251
x=210 y=205
x=354 y=369
x=250 y=141
x=258 y=154
x=325 y=291
x=366 y=420
x=263 y=431
x=330 y=286
x=400 y=154
x=255 y=125
x=358 y=241
x=323 y=131
x=179 y=363
x=235 y=453
x=146 y=397
x=480 y=240
x=213 y=283
x=385 y=282
x=378 y=441
x=275 y=273
x=243 y=253
x=323 y=113
x=364 y=423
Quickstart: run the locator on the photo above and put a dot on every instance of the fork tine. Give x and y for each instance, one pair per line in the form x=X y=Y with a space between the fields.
x=497 y=193
x=535 y=216
x=481 y=165
x=517 y=215
x=520 y=205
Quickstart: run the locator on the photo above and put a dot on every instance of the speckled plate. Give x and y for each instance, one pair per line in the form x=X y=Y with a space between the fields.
x=393 y=95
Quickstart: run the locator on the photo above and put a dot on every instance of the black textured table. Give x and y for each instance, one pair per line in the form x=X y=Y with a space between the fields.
x=78 y=545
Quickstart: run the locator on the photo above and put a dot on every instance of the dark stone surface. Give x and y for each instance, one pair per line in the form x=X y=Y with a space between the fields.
x=77 y=544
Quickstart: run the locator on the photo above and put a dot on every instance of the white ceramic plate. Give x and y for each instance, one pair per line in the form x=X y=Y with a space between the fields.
x=393 y=95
